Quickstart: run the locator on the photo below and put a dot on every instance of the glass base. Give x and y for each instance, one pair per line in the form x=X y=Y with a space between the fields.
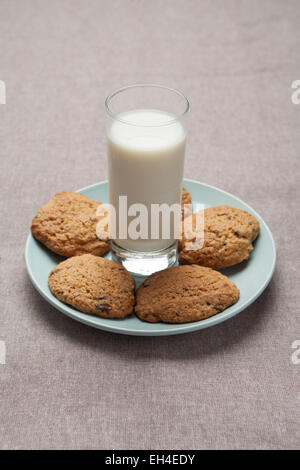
x=144 y=263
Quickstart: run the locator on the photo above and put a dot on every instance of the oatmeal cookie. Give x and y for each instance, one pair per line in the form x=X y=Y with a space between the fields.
x=228 y=237
x=67 y=225
x=184 y=294
x=94 y=285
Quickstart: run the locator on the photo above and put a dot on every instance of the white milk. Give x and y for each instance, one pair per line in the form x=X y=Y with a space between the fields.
x=146 y=164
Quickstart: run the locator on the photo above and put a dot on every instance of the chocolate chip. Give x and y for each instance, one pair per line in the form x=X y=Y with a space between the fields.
x=100 y=298
x=54 y=272
x=103 y=307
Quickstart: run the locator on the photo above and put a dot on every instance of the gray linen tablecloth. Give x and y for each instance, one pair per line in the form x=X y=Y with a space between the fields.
x=65 y=385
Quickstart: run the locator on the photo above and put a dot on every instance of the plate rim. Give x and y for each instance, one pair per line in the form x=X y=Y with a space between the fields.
x=182 y=328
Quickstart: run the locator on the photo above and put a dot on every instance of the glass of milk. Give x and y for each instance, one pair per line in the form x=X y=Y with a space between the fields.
x=146 y=140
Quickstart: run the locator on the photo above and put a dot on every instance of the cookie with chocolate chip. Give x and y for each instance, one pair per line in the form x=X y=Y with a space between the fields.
x=226 y=237
x=67 y=225
x=184 y=294
x=94 y=285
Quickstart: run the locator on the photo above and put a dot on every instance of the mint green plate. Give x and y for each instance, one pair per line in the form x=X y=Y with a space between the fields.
x=251 y=277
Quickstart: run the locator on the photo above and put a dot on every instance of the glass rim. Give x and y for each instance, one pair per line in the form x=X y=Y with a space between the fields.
x=149 y=85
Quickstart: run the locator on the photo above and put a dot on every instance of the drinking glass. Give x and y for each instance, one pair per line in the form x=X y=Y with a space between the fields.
x=146 y=140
